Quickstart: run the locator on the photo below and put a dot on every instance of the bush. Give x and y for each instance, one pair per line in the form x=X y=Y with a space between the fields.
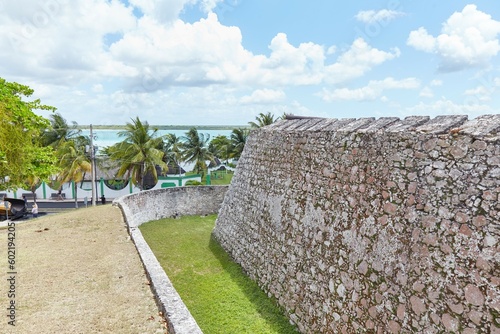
x=193 y=183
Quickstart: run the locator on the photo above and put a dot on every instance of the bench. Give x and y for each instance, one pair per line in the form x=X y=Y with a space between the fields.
x=56 y=196
x=29 y=195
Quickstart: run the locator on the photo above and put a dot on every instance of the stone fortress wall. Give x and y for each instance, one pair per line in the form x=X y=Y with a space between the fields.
x=372 y=225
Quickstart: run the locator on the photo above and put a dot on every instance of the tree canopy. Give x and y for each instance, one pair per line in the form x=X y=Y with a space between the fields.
x=59 y=131
x=262 y=120
x=238 y=140
x=173 y=148
x=196 y=149
x=139 y=153
x=74 y=163
x=221 y=147
x=22 y=154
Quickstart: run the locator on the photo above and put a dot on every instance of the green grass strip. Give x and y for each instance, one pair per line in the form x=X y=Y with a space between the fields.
x=218 y=294
x=226 y=179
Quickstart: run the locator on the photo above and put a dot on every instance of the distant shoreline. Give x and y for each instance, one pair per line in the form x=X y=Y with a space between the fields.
x=167 y=127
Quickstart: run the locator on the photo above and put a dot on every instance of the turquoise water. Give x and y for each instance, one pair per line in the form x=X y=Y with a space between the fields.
x=108 y=137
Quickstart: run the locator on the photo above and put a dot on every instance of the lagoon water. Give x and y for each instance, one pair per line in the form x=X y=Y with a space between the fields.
x=108 y=137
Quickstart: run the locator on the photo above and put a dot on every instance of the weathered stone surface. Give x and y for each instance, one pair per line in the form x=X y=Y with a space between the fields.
x=401 y=311
x=456 y=308
x=390 y=224
x=394 y=327
x=309 y=124
x=357 y=124
x=171 y=202
x=323 y=124
x=417 y=305
x=469 y=331
x=473 y=295
x=442 y=124
x=408 y=124
x=363 y=268
x=475 y=317
x=482 y=126
x=298 y=124
x=450 y=323
x=379 y=124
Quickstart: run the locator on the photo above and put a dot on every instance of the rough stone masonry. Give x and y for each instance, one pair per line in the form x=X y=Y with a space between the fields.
x=372 y=225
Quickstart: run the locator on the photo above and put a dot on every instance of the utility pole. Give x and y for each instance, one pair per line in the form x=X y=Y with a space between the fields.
x=92 y=163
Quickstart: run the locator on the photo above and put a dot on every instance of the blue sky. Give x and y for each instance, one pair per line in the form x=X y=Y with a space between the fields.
x=224 y=62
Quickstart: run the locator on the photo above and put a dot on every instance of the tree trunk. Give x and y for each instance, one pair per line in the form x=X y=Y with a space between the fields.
x=143 y=167
x=34 y=194
x=76 y=196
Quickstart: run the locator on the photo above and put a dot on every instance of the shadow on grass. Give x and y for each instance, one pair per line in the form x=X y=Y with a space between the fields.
x=266 y=306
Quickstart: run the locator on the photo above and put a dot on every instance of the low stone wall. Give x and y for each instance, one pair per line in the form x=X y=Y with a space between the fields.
x=152 y=205
x=377 y=226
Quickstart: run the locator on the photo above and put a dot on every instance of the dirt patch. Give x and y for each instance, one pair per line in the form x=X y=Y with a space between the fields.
x=77 y=272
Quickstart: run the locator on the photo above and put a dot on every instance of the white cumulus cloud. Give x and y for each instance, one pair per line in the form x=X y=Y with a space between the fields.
x=370 y=92
x=384 y=15
x=264 y=96
x=426 y=92
x=445 y=106
x=167 y=11
x=482 y=93
x=468 y=39
x=358 y=60
x=479 y=90
x=138 y=55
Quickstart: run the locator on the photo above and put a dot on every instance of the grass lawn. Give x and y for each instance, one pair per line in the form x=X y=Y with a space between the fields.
x=219 y=179
x=222 y=179
x=218 y=294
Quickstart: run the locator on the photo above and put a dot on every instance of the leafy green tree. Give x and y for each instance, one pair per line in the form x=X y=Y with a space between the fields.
x=220 y=147
x=196 y=149
x=74 y=163
x=22 y=154
x=40 y=170
x=139 y=153
x=263 y=120
x=238 y=139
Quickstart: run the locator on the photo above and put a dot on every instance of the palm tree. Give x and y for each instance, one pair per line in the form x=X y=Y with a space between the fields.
x=73 y=162
x=59 y=130
x=196 y=149
x=263 y=120
x=139 y=153
x=220 y=147
x=173 y=150
x=238 y=140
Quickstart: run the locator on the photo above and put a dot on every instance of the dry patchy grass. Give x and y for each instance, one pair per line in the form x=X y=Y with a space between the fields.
x=78 y=272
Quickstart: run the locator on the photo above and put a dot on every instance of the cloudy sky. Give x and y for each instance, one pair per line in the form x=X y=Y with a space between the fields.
x=210 y=62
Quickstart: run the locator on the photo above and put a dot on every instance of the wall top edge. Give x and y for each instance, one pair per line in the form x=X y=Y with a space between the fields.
x=482 y=126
